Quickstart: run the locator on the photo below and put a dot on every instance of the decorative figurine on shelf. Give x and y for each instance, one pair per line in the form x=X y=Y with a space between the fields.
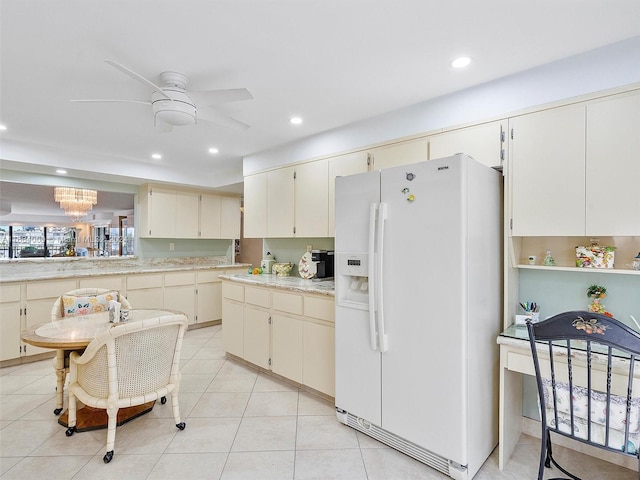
x=548 y=260
x=596 y=293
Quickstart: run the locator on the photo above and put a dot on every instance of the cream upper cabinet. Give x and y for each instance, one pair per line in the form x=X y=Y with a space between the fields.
x=280 y=202
x=613 y=166
x=402 y=153
x=187 y=218
x=341 y=166
x=229 y=217
x=219 y=217
x=485 y=143
x=255 y=205
x=312 y=199
x=210 y=221
x=158 y=212
x=547 y=172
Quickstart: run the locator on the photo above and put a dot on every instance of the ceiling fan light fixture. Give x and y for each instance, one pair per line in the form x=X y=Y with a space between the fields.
x=179 y=111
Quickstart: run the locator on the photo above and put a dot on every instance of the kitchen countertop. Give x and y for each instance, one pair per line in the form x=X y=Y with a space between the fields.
x=53 y=269
x=295 y=284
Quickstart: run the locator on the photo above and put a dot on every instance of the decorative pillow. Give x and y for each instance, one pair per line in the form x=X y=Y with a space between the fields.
x=72 y=305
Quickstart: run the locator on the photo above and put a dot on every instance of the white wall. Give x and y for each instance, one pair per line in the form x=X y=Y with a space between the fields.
x=607 y=67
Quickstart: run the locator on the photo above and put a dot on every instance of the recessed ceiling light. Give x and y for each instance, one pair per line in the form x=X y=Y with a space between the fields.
x=213 y=150
x=461 y=62
x=156 y=156
x=3 y=128
x=295 y=120
x=61 y=171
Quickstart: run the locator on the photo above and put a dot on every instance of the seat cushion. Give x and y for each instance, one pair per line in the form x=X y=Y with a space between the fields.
x=83 y=305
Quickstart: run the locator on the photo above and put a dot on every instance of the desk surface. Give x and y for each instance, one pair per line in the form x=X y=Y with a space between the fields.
x=77 y=332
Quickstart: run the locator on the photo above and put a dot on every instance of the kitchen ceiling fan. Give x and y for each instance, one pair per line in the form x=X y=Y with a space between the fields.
x=173 y=105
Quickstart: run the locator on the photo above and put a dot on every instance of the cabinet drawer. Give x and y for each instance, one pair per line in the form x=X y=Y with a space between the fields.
x=288 y=302
x=179 y=278
x=9 y=293
x=137 y=282
x=209 y=276
x=321 y=308
x=50 y=289
x=110 y=283
x=257 y=296
x=233 y=291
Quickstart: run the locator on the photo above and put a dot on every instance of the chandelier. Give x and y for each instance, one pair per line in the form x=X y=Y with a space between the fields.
x=76 y=202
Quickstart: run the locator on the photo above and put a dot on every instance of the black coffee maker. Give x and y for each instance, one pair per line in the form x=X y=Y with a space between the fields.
x=324 y=263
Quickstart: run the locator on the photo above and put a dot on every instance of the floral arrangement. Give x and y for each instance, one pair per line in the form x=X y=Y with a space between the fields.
x=596 y=293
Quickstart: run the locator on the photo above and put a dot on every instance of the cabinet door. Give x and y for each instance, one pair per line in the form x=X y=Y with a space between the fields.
x=209 y=302
x=210 y=216
x=257 y=336
x=341 y=166
x=280 y=202
x=613 y=168
x=145 y=290
x=255 y=206
x=312 y=199
x=10 y=318
x=318 y=367
x=485 y=143
x=40 y=297
x=180 y=293
x=230 y=218
x=547 y=172
x=287 y=347
x=233 y=327
x=402 y=153
x=187 y=219
x=162 y=213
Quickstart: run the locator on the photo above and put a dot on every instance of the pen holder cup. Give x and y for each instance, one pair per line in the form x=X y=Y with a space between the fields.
x=522 y=319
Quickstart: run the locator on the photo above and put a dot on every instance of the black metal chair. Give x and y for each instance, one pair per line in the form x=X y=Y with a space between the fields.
x=584 y=364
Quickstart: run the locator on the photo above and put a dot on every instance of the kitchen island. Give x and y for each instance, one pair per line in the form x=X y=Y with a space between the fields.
x=282 y=325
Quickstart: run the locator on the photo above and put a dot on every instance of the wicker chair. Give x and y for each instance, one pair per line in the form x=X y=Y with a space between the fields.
x=128 y=365
x=61 y=360
x=575 y=356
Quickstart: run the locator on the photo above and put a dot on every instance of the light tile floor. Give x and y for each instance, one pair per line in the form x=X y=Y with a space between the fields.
x=241 y=424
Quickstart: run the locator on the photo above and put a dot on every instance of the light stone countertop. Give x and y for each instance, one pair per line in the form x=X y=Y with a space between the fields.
x=294 y=284
x=78 y=267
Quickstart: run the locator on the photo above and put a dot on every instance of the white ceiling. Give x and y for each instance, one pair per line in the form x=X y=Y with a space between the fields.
x=333 y=62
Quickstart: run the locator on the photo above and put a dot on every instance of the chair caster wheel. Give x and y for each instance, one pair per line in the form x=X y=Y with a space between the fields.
x=57 y=411
x=70 y=431
x=107 y=457
x=181 y=425
x=163 y=400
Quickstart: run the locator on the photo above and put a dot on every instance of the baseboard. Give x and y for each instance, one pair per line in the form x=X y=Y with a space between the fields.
x=533 y=428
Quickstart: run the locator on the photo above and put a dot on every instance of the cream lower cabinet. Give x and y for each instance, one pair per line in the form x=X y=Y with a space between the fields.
x=145 y=290
x=39 y=299
x=233 y=318
x=10 y=321
x=208 y=296
x=286 y=339
x=180 y=293
x=291 y=334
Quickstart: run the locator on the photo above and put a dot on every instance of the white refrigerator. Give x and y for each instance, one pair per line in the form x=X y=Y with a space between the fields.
x=418 y=309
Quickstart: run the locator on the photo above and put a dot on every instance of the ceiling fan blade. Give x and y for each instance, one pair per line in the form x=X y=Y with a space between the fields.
x=209 y=115
x=103 y=100
x=212 y=98
x=137 y=76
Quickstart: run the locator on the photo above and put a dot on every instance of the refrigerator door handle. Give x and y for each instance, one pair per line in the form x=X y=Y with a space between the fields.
x=373 y=210
x=382 y=217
